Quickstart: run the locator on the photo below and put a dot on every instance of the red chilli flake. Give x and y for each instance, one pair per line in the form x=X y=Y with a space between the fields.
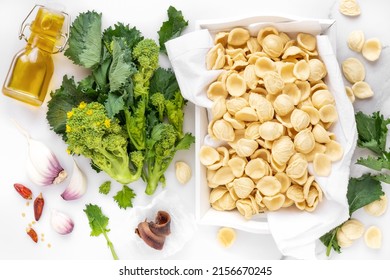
x=25 y=192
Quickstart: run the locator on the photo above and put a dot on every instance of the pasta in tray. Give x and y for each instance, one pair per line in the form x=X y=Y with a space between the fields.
x=273 y=110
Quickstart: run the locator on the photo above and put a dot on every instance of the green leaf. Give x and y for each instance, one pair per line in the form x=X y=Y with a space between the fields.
x=97 y=221
x=372 y=131
x=185 y=142
x=164 y=81
x=329 y=239
x=362 y=191
x=114 y=104
x=62 y=101
x=105 y=187
x=377 y=163
x=131 y=36
x=122 y=68
x=385 y=178
x=85 y=44
x=124 y=198
x=172 y=28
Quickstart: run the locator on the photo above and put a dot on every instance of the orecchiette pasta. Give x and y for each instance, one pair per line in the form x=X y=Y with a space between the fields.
x=272 y=110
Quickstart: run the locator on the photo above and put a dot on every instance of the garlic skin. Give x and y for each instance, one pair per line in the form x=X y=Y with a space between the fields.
x=43 y=167
x=61 y=223
x=77 y=186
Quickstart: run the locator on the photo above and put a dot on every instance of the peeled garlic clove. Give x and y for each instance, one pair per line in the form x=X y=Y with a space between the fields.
x=61 y=223
x=372 y=49
x=77 y=186
x=43 y=167
x=183 y=172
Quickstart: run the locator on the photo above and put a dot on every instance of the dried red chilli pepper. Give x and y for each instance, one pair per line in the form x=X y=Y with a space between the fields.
x=25 y=192
x=33 y=234
x=39 y=202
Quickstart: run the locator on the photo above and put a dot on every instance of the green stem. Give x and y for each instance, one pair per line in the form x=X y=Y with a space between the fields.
x=111 y=246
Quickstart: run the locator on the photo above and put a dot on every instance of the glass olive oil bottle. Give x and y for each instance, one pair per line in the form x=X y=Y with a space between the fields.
x=32 y=68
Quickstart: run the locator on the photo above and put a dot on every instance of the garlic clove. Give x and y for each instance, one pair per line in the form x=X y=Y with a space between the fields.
x=61 y=223
x=77 y=186
x=43 y=167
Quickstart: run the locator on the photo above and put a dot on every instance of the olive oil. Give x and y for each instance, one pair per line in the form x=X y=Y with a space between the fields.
x=32 y=68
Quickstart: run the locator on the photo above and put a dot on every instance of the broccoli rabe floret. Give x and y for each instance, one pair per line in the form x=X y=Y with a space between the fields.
x=146 y=53
x=92 y=134
x=158 y=102
x=162 y=146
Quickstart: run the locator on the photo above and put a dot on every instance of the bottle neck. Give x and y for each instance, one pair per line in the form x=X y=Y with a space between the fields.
x=45 y=43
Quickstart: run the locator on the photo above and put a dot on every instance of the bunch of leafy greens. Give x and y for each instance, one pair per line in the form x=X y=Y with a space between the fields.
x=127 y=114
x=372 y=134
x=98 y=224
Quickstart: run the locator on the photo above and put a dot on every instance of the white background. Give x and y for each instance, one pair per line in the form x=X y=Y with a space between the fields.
x=147 y=16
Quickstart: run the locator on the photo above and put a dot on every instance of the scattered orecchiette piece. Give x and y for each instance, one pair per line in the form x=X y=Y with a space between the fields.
x=317 y=70
x=223 y=176
x=378 y=207
x=237 y=165
x=320 y=134
x=271 y=130
x=372 y=49
x=213 y=56
x=218 y=108
x=246 y=147
x=373 y=237
x=215 y=90
x=183 y=172
x=353 y=229
x=349 y=8
x=313 y=114
x=297 y=168
x=265 y=32
x=221 y=38
x=293 y=91
x=275 y=202
x=243 y=186
x=334 y=150
x=223 y=130
x=253 y=45
x=272 y=45
x=318 y=149
x=264 y=65
x=217 y=193
x=226 y=237
x=238 y=37
x=257 y=168
x=247 y=114
x=224 y=203
x=307 y=41
x=252 y=131
x=250 y=76
x=304 y=141
x=342 y=239
x=304 y=87
x=269 y=186
x=283 y=104
x=295 y=193
x=235 y=104
x=235 y=124
x=273 y=83
x=284 y=180
x=322 y=165
x=299 y=119
x=321 y=98
x=355 y=40
x=235 y=85
x=349 y=92
x=245 y=207
x=282 y=149
x=286 y=72
x=302 y=70
x=353 y=70
x=362 y=90
x=328 y=113
x=208 y=155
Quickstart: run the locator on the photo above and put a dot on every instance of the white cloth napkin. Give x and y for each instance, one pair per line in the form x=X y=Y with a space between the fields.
x=295 y=232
